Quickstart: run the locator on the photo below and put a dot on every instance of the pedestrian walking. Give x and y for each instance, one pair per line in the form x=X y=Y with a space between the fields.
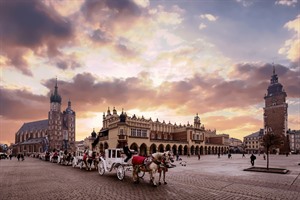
x=219 y=155
x=198 y=156
x=19 y=156
x=264 y=156
x=243 y=155
x=252 y=159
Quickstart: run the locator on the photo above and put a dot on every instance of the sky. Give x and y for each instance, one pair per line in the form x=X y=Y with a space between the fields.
x=165 y=59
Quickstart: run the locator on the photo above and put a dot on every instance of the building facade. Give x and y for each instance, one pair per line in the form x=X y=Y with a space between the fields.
x=147 y=136
x=56 y=132
x=294 y=139
x=252 y=142
x=276 y=110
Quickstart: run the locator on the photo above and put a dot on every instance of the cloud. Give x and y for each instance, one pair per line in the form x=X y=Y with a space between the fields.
x=31 y=27
x=163 y=17
x=291 y=47
x=245 y=3
x=286 y=2
x=18 y=103
x=209 y=17
x=202 y=26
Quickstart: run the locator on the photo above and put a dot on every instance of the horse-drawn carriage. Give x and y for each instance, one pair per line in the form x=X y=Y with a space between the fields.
x=77 y=159
x=88 y=160
x=64 y=158
x=114 y=159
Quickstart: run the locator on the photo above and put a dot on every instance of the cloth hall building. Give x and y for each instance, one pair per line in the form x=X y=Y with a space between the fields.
x=147 y=136
x=56 y=132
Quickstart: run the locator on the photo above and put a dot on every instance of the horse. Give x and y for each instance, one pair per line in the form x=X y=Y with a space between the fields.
x=67 y=158
x=89 y=158
x=149 y=164
x=163 y=168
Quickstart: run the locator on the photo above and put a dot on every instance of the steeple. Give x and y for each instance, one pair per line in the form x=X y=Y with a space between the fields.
x=275 y=88
x=55 y=97
x=274 y=78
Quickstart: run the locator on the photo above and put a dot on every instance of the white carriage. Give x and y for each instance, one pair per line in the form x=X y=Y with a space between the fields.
x=78 y=159
x=114 y=159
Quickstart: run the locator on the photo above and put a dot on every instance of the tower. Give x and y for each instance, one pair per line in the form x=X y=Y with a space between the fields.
x=55 y=120
x=68 y=127
x=275 y=110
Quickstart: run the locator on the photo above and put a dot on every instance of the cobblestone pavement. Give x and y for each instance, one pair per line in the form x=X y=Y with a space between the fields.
x=208 y=178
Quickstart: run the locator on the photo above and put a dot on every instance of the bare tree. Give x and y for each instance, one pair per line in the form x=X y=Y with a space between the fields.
x=271 y=140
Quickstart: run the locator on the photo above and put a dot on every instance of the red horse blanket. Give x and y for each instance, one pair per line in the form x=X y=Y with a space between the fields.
x=138 y=160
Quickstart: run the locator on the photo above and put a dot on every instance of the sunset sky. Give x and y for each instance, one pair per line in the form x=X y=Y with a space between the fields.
x=165 y=59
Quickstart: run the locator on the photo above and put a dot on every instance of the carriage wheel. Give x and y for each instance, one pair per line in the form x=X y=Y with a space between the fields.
x=101 y=168
x=120 y=172
x=141 y=174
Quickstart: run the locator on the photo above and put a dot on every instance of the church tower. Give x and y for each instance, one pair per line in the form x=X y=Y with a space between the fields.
x=275 y=110
x=69 y=127
x=55 y=120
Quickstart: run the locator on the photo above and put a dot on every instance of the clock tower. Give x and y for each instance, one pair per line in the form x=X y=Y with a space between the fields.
x=275 y=110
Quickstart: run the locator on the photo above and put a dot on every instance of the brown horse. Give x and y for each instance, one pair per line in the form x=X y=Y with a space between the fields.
x=150 y=164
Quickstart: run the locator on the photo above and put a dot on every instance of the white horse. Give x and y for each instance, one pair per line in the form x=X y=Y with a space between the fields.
x=150 y=164
x=163 y=167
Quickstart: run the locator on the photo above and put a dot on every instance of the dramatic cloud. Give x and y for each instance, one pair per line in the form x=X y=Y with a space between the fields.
x=149 y=58
x=291 y=47
x=286 y=2
x=31 y=26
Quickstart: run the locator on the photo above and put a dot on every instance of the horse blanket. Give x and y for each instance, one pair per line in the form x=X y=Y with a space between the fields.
x=138 y=160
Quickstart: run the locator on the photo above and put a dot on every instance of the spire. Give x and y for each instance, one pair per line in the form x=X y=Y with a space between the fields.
x=273 y=69
x=55 y=97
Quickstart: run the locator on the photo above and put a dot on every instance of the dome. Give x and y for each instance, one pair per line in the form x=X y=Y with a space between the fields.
x=94 y=134
x=123 y=117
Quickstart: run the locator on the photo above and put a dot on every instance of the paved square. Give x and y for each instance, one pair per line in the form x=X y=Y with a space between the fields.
x=208 y=178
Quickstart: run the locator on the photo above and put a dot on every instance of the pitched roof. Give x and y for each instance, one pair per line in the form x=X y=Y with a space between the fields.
x=256 y=134
x=36 y=125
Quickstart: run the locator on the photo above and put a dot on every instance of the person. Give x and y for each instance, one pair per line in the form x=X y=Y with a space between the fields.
x=252 y=159
x=243 y=155
x=198 y=156
x=19 y=156
x=127 y=152
x=219 y=155
x=177 y=157
x=264 y=156
x=229 y=155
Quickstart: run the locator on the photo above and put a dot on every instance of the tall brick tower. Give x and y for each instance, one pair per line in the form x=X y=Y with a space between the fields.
x=275 y=110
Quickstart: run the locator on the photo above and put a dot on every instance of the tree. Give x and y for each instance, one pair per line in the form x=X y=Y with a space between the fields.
x=271 y=140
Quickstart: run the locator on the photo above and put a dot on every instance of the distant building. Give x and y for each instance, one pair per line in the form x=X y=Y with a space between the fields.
x=146 y=136
x=235 y=145
x=56 y=132
x=294 y=140
x=252 y=142
x=88 y=141
x=276 y=111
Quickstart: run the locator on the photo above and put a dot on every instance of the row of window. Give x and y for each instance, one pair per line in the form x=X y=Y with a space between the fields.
x=138 y=132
